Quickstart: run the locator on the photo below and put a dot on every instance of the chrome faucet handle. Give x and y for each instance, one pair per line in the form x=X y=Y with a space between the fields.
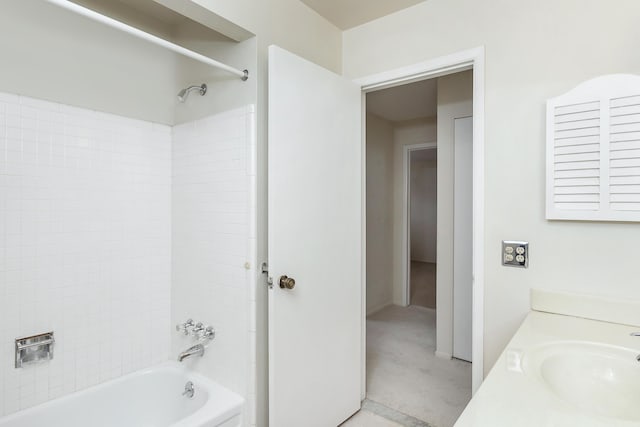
x=208 y=334
x=197 y=329
x=184 y=327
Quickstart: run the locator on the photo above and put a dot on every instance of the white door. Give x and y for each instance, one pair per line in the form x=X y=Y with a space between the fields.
x=315 y=229
x=462 y=237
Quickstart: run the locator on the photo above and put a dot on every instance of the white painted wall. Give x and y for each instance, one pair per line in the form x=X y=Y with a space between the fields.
x=534 y=51
x=379 y=213
x=213 y=237
x=85 y=246
x=423 y=214
x=106 y=70
x=53 y=54
x=418 y=131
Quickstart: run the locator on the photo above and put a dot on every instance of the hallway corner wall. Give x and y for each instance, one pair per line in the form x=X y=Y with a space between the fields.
x=410 y=132
x=379 y=213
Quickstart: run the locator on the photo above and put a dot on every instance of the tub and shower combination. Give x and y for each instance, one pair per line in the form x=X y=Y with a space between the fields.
x=165 y=395
x=168 y=395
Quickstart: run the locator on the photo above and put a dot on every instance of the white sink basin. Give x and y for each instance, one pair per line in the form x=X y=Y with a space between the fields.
x=596 y=378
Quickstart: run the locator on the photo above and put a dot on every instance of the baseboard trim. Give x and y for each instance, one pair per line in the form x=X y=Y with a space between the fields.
x=424 y=261
x=421 y=308
x=378 y=308
x=443 y=355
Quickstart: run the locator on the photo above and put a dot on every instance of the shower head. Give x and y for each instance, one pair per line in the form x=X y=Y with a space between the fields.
x=184 y=93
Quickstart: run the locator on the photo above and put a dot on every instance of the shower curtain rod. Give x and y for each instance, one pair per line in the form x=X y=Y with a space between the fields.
x=80 y=10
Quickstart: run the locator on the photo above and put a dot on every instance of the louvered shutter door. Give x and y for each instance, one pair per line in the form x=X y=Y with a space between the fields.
x=593 y=151
x=624 y=154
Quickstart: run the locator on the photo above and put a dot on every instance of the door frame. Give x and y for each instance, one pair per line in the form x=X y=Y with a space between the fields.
x=406 y=215
x=472 y=59
x=457 y=214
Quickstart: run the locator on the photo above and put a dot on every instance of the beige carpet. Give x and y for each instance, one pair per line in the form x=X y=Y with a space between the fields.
x=404 y=374
x=423 y=284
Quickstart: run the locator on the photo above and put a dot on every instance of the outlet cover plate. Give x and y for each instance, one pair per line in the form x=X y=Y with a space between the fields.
x=515 y=253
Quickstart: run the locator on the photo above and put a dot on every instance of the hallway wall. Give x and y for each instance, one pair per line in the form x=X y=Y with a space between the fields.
x=423 y=214
x=410 y=132
x=379 y=213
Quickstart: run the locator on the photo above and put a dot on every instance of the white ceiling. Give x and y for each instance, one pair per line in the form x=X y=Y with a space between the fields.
x=346 y=14
x=406 y=102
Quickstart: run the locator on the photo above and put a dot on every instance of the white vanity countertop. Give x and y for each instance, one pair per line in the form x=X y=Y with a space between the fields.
x=510 y=397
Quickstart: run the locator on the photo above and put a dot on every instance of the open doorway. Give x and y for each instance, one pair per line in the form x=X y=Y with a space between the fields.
x=422 y=179
x=412 y=377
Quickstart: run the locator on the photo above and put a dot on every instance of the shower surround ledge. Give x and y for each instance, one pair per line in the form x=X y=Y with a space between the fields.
x=535 y=381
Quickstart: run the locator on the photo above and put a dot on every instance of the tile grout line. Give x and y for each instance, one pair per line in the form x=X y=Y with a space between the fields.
x=392 y=414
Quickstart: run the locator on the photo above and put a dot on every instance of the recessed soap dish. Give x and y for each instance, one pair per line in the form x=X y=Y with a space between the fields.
x=33 y=349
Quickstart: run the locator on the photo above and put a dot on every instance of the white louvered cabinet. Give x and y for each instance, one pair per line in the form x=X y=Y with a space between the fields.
x=593 y=151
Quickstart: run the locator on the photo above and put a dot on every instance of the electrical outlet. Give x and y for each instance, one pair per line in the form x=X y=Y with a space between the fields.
x=515 y=253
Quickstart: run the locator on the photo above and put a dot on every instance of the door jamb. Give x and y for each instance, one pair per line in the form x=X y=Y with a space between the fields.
x=460 y=61
x=406 y=216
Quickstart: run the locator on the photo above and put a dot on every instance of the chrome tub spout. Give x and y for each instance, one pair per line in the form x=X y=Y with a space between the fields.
x=196 y=350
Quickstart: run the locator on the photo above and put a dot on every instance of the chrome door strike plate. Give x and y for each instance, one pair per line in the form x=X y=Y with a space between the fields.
x=265 y=270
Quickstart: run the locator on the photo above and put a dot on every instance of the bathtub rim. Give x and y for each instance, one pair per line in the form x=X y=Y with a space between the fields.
x=200 y=417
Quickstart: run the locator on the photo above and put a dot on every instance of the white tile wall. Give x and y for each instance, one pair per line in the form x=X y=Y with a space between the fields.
x=214 y=249
x=85 y=230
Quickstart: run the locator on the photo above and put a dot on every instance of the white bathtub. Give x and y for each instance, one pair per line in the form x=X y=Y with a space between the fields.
x=148 y=398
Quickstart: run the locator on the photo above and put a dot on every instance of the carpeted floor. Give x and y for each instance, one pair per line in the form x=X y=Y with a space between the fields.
x=407 y=384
